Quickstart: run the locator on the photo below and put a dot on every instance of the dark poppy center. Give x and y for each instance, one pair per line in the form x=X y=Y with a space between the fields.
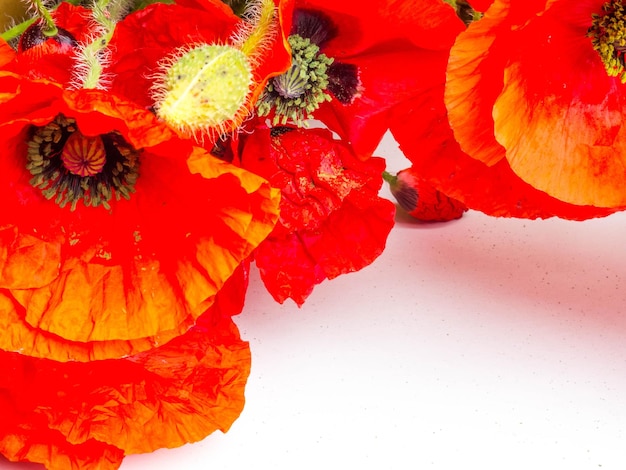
x=608 y=37
x=313 y=76
x=68 y=166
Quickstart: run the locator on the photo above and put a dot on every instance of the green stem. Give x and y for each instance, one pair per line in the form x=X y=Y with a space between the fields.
x=49 y=29
x=106 y=13
x=389 y=178
x=17 y=30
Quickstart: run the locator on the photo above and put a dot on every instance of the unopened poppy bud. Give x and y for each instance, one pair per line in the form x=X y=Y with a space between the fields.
x=204 y=88
x=35 y=43
x=207 y=89
x=421 y=200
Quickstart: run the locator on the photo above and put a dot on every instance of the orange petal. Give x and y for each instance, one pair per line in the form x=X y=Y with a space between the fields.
x=559 y=116
x=473 y=82
x=95 y=302
x=17 y=335
x=573 y=151
x=81 y=415
x=25 y=261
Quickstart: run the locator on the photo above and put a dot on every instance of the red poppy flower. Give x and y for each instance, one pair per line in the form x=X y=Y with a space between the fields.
x=103 y=240
x=138 y=58
x=116 y=236
x=331 y=219
x=421 y=127
x=371 y=55
x=535 y=85
x=89 y=415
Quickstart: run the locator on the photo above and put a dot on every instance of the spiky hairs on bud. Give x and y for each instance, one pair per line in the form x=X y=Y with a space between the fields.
x=206 y=89
x=93 y=57
x=257 y=30
x=203 y=88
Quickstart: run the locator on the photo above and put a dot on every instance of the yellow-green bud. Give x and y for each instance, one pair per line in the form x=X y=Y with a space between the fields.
x=204 y=88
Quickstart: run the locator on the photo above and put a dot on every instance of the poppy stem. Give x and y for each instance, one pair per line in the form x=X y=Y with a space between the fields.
x=17 y=30
x=93 y=57
x=389 y=178
x=258 y=29
x=49 y=29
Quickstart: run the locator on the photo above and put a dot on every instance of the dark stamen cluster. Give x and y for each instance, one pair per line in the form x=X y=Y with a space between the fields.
x=56 y=182
x=313 y=77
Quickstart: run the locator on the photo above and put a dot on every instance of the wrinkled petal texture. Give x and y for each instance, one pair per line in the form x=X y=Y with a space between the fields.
x=332 y=221
x=81 y=416
x=386 y=41
x=95 y=283
x=525 y=85
x=137 y=57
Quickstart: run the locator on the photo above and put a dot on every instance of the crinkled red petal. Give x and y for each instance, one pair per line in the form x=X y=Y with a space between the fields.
x=88 y=415
x=332 y=221
x=349 y=240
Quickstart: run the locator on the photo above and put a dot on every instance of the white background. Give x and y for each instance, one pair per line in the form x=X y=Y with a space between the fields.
x=481 y=343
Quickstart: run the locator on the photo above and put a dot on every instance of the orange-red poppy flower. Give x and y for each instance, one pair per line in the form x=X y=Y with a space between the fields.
x=331 y=222
x=148 y=43
x=374 y=52
x=535 y=85
x=475 y=79
x=130 y=230
x=75 y=415
x=115 y=237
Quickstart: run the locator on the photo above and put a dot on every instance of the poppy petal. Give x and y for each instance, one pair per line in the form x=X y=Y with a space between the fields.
x=330 y=204
x=572 y=117
x=173 y=394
